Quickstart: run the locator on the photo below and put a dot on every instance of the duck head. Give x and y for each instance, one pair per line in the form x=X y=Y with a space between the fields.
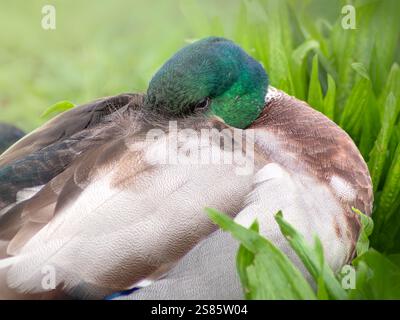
x=212 y=76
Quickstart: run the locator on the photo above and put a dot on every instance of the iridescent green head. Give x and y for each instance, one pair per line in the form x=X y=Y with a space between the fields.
x=213 y=76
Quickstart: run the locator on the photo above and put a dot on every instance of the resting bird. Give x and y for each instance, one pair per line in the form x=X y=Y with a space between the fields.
x=107 y=196
x=8 y=135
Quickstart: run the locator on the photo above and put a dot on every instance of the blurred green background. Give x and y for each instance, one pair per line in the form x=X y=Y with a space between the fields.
x=102 y=48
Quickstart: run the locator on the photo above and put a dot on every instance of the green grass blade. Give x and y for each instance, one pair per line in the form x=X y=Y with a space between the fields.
x=330 y=98
x=386 y=215
x=360 y=68
x=379 y=154
x=271 y=274
x=391 y=191
x=367 y=226
x=311 y=258
x=298 y=63
x=377 y=277
x=356 y=103
x=370 y=127
x=57 y=108
x=244 y=259
x=315 y=98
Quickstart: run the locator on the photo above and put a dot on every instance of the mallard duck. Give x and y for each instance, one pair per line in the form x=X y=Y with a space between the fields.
x=9 y=134
x=95 y=198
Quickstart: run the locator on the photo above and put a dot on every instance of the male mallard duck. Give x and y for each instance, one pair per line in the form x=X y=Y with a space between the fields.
x=90 y=196
x=8 y=135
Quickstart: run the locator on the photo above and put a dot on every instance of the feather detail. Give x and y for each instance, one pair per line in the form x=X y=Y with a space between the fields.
x=113 y=195
x=7 y=262
x=69 y=123
x=49 y=150
x=302 y=140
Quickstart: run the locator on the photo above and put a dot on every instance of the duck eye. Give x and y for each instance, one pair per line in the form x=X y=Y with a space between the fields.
x=199 y=106
x=203 y=104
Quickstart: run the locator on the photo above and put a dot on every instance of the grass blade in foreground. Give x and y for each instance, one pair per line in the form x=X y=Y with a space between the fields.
x=378 y=277
x=378 y=154
x=312 y=259
x=367 y=226
x=57 y=108
x=267 y=273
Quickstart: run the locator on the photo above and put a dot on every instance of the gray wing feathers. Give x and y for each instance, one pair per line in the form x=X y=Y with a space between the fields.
x=207 y=272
